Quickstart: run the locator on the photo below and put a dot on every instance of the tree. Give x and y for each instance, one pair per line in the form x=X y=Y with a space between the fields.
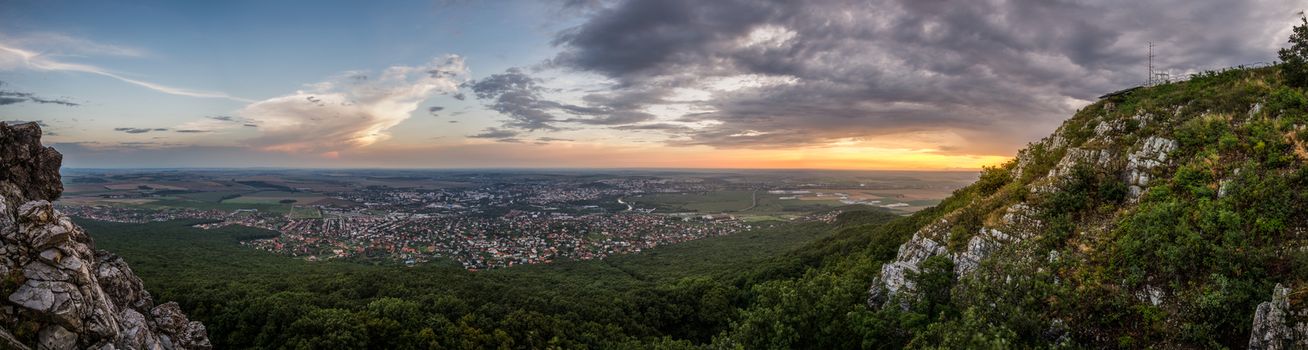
x=1295 y=58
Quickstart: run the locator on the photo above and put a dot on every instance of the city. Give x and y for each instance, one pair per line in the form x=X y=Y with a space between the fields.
x=481 y=220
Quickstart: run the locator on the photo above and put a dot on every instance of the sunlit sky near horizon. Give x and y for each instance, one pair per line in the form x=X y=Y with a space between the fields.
x=872 y=84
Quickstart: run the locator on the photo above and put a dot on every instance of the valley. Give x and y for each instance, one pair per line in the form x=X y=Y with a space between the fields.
x=486 y=219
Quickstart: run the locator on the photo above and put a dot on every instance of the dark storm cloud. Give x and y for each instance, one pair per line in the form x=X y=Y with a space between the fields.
x=999 y=73
x=518 y=96
x=192 y=131
x=139 y=130
x=521 y=97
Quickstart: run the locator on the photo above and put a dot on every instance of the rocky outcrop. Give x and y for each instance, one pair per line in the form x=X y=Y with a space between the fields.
x=926 y=243
x=1139 y=164
x=894 y=275
x=1278 y=324
x=1100 y=150
x=60 y=293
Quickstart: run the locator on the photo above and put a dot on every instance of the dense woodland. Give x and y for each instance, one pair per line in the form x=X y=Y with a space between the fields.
x=674 y=296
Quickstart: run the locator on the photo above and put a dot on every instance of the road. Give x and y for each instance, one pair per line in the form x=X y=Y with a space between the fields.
x=753 y=199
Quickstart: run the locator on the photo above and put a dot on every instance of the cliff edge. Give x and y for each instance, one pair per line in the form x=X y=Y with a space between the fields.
x=59 y=292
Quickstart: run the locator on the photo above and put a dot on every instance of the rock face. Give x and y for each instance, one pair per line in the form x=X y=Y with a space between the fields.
x=1101 y=148
x=1279 y=324
x=60 y=293
x=1151 y=154
x=926 y=243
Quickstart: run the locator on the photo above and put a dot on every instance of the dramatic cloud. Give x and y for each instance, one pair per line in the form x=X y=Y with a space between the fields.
x=986 y=76
x=520 y=97
x=13 y=56
x=350 y=111
x=139 y=130
x=517 y=95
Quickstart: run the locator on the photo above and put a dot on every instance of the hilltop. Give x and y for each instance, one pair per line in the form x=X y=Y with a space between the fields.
x=1160 y=217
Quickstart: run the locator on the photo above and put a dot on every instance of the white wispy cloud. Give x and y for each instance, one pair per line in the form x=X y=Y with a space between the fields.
x=13 y=56
x=352 y=110
x=64 y=45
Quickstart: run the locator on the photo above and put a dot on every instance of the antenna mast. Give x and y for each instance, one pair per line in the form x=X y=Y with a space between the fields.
x=1149 y=81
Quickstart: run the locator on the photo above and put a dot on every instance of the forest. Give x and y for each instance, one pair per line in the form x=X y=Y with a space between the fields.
x=674 y=297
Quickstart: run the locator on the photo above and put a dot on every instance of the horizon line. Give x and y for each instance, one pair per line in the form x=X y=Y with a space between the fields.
x=941 y=170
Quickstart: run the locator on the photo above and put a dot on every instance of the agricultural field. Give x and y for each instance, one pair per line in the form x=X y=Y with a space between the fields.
x=215 y=196
x=773 y=204
x=704 y=202
x=765 y=205
x=747 y=195
x=180 y=203
x=276 y=197
x=304 y=212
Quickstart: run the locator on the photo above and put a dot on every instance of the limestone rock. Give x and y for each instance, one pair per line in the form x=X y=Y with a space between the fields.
x=33 y=169
x=1139 y=164
x=1279 y=325
x=894 y=275
x=123 y=287
x=69 y=294
x=1017 y=224
x=57 y=338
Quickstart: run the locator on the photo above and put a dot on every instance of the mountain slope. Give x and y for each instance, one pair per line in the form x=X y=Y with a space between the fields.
x=1160 y=217
x=59 y=292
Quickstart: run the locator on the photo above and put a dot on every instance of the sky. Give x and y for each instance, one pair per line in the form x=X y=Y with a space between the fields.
x=822 y=84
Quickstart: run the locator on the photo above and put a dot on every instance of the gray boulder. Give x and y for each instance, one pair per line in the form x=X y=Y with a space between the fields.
x=62 y=293
x=1278 y=324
